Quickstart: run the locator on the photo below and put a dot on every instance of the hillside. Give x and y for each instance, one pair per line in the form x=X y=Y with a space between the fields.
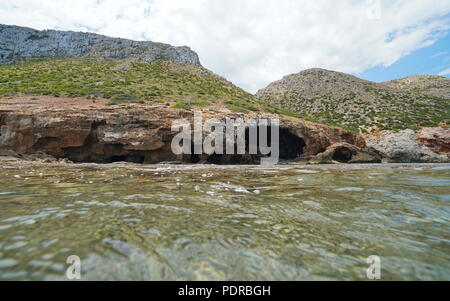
x=179 y=85
x=76 y=64
x=116 y=99
x=343 y=100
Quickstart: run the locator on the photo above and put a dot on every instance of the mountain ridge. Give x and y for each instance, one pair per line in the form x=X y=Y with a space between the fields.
x=17 y=42
x=427 y=84
x=414 y=80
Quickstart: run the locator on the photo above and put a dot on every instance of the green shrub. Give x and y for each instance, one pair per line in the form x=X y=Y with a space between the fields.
x=181 y=105
x=124 y=98
x=159 y=81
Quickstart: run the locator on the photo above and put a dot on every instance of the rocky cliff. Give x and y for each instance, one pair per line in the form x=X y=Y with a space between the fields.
x=17 y=43
x=86 y=131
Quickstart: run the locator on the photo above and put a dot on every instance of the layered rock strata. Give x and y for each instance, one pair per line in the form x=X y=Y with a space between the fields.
x=83 y=131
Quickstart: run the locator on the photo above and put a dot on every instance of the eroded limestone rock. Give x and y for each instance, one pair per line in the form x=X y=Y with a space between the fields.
x=82 y=131
x=410 y=146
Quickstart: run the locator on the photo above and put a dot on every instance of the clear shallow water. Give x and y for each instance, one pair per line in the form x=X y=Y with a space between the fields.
x=133 y=222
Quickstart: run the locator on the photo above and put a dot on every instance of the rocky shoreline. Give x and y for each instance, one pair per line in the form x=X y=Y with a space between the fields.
x=83 y=130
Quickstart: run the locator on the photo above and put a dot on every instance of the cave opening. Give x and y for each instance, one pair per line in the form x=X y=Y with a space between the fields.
x=108 y=153
x=132 y=157
x=342 y=155
x=215 y=159
x=291 y=148
x=192 y=158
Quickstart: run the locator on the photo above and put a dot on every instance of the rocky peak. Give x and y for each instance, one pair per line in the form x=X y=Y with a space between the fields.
x=323 y=75
x=344 y=100
x=312 y=83
x=21 y=42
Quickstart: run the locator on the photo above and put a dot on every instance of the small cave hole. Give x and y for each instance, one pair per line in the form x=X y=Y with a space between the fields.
x=342 y=155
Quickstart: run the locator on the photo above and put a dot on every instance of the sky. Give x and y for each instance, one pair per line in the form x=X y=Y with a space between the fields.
x=254 y=42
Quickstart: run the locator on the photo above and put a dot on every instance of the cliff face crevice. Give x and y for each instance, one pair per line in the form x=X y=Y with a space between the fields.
x=140 y=133
x=21 y=42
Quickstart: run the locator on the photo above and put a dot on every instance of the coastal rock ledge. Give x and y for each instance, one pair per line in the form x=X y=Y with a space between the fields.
x=85 y=130
x=82 y=130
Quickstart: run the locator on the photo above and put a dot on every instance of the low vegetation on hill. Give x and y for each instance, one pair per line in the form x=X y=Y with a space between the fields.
x=346 y=101
x=317 y=95
x=431 y=85
x=183 y=86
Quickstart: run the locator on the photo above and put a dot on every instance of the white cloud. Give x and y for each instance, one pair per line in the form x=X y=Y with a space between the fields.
x=445 y=72
x=254 y=42
x=440 y=54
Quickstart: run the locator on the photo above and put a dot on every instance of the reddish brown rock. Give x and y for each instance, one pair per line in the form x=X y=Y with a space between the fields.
x=82 y=131
x=436 y=139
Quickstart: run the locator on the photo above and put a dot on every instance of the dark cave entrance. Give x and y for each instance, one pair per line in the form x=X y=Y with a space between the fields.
x=192 y=158
x=342 y=155
x=291 y=148
x=132 y=157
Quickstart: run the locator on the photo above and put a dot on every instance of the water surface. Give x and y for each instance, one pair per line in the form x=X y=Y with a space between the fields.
x=175 y=222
